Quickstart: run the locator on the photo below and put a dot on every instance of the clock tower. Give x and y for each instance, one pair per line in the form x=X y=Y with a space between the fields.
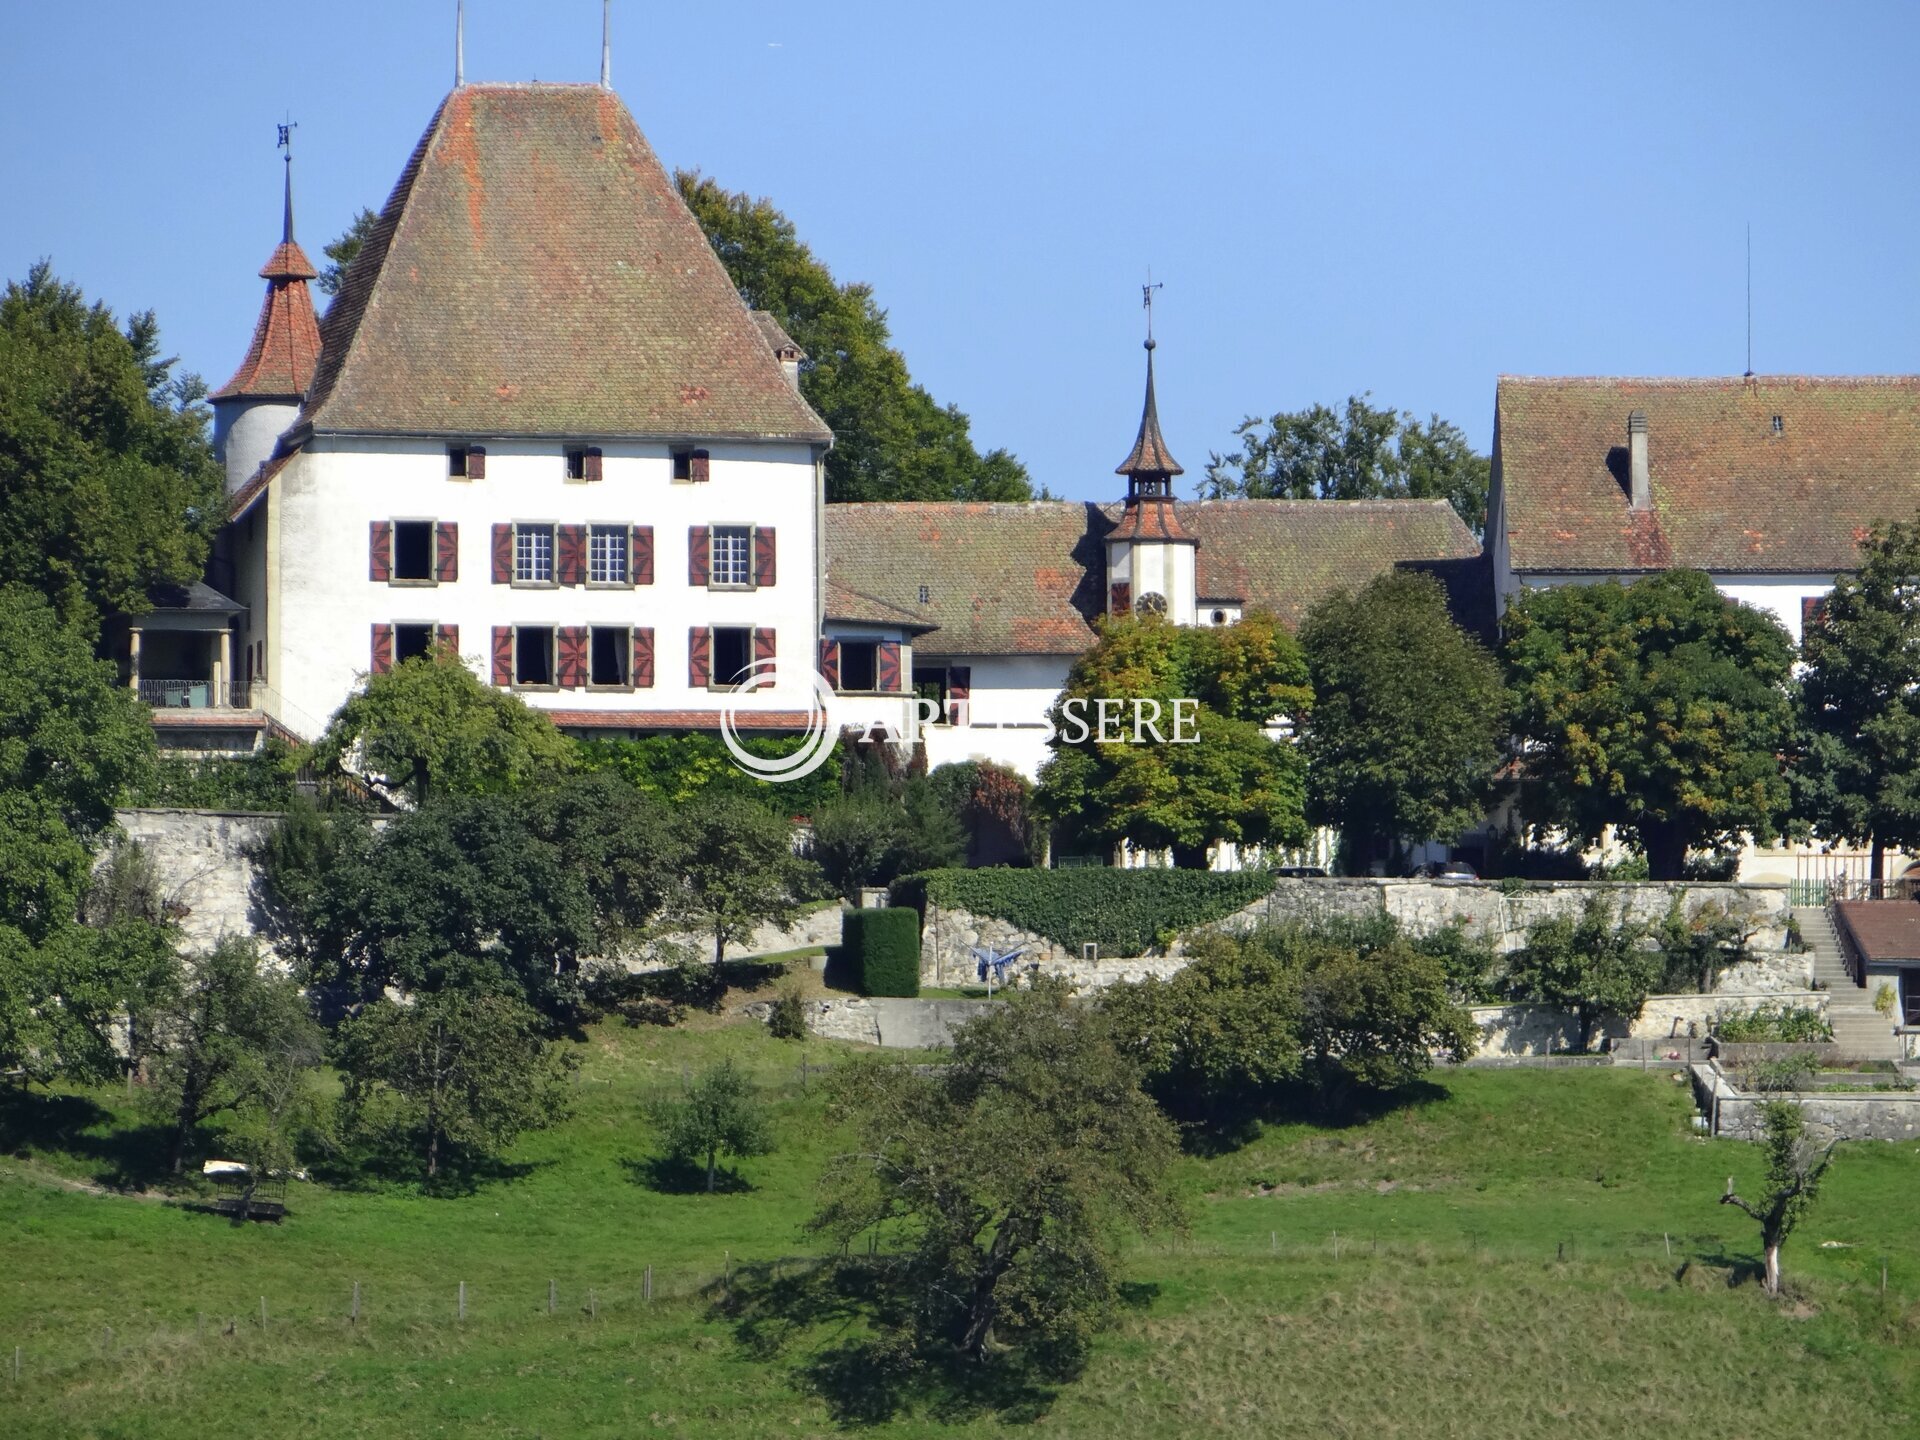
x=1150 y=553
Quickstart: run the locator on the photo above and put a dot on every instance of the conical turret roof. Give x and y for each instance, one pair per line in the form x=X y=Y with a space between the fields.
x=285 y=350
x=1149 y=456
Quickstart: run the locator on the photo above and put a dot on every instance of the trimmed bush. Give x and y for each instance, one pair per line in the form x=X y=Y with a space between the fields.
x=1124 y=912
x=883 y=948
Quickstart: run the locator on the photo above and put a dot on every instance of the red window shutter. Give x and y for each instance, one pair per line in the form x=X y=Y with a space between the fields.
x=590 y=466
x=959 y=693
x=448 y=636
x=446 y=551
x=643 y=658
x=570 y=666
x=888 y=664
x=503 y=655
x=763 y=566
x=699 y=554
x=699 y=657
x=382 y=649
x=697 y=465
x=570 y=555
x=763 y=647
x=476 y=462
x=642 y=555
x=380 y=551
x=830 y=663
x=503 y=554
x=1811 y=607
x=1122 y=598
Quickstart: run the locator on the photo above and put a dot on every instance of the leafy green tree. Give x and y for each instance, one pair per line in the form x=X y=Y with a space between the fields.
x=739 y=870
x=1004 y=1178
x=717 y=1116
x=1595 y=966
x=1378 y=1021
x=71 y=1001
x=1857 y=771
x=1230 y=783
x=675 y=767
x=71 y=740
x=852 y=837
x=1363 y=453
x=108 y=485
x=340 y=254
x=994 y=804
x=226 y=1036
x=892 y=441
x=458 y=1075
x=1796 y=1164
x=1407 y=721
x=1659 y=708
x=428 y=727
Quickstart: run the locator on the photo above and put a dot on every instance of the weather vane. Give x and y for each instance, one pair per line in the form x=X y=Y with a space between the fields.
x=285 y=141
x=1146 y=299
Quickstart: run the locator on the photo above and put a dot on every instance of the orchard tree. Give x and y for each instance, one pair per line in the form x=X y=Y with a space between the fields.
x=1660 y=708
x=1361 y=453
x=738 y=870
x=79 y=1004
x=1595 y=966
x=1857 y=771
x=1796 y=1164
x=1228 y=781
x=1005 y=1179
x=1407 y=718
x=455 y=1075
x=429 y=727
x=108 y=485
x=1378 y=1021
x=718 y=1116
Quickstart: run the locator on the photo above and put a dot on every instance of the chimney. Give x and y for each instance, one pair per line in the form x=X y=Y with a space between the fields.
x=1640 y=488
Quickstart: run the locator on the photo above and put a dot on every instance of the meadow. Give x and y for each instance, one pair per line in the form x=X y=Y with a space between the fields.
x=1503 y=1251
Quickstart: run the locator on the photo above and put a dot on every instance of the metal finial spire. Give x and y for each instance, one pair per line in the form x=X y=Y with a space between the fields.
x=459 y=43
x=286 y=144
x=1146 y=299
x=606 y=44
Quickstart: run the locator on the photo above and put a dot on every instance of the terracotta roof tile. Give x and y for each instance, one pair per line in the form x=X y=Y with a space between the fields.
x=1151 y=517
x=1883 y=929
x=854 y=607
x=1730 y=493
x=535 y=273
x=285 y=350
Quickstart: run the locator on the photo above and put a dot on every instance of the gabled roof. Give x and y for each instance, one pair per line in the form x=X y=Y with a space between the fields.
x=1730 y=493
x=1012 y=579
x=535 y=273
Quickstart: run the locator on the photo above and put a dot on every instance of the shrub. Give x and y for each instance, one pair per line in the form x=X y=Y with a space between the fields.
x=1774 y=1024
x=1122 y=911
x=788 y=1021
x=884 y=948
x=261 y=781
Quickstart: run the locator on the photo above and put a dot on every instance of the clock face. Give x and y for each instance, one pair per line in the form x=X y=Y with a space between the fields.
x=1153 y=602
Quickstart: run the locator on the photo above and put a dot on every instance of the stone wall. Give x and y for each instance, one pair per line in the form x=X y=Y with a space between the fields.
x=202 y=858
x=1865 y=1115
x=1525 y=1029
x=894 y=1024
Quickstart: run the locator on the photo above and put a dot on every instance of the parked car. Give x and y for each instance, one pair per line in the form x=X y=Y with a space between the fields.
x=1445 y=872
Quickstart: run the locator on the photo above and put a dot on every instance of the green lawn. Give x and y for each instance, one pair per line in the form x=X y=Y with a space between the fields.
x=1502 y=1269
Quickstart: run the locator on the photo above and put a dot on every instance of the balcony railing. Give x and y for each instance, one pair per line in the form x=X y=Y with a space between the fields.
x=197 y=694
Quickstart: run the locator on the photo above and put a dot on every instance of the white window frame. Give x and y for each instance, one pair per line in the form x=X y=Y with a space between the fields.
x=526 y=553
x=626 y=666
x=620 y=546
x=722 y=540
x=552 y=682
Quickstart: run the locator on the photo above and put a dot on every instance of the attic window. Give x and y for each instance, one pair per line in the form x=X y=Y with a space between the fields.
x=925 y=594
x=577 y=464
x=1779 y=424
x=690 y=465
x=457 y=461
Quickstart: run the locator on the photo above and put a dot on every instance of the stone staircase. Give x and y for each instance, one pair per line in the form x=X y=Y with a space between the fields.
x=1860 y=1031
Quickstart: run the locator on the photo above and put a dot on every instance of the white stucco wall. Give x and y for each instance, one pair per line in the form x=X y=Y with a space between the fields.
x=244 y=433
x=1007 y=718
x=321 y=606
x=1152 y=567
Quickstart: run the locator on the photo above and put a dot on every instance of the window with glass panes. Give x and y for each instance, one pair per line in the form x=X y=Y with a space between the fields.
x=607 y=555
x=533 y=553
x=732 y=556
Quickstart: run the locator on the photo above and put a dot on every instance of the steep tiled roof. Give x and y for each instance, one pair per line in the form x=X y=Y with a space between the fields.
x=1151 y=517
x=778 y=341
x=535 y=273
x=286 y=338
x=1149 y=456
x=844 y=603
x=1006 y=579
x=1729 y=492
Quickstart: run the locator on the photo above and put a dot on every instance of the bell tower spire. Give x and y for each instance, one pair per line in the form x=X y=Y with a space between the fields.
x=1150 y=553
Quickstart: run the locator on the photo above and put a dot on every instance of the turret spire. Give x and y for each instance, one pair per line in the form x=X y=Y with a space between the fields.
x=286 y=218
x=606 y=44
x=459 y=43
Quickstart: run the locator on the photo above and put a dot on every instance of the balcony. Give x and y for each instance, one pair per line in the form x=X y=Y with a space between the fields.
x=197 y=694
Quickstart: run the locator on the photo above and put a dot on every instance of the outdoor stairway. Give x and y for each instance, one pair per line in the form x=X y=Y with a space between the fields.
x=1861 y=1032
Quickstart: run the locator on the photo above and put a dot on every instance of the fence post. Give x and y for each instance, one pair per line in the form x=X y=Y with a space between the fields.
x=646 y=1285
x=16 y=1364
x=460 y=1305
x=550 y=1296
x=107 y=1343
x=593 y=1304
x=354 y=1318
x=263 y=1312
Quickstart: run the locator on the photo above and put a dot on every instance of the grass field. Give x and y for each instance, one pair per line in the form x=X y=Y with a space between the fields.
x=1502 y=1268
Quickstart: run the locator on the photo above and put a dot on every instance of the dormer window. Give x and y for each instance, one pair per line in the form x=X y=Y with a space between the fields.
x=1779 y=424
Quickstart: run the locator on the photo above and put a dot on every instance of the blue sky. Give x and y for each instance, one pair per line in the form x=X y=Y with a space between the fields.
x=1404 y=198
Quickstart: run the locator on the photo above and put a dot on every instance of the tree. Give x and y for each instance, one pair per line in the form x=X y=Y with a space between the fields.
x=1231 y=783
x=226 y=1033
x=717 y=1116
x=1377 y=1021
x=428 y=727
x=1365 y=453
x=1595 y=966
x=994 y=804
x=78 y=1003
x=1856 y=776
x=71 y=740
x=340 y=254
x=892 y=441
x=739 y=869
x=1796 y=1164
x=852 y=837
x=108 y=485
x=1407 y=717
x=1659 y=708
x=460 y=1075
x=1004 y=1179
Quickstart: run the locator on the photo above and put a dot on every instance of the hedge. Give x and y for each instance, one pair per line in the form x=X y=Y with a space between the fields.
x=1124 y=912
x=883 y=947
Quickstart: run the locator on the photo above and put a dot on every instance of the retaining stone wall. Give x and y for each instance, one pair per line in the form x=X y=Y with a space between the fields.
x=201 y=858
x=1869 y=1115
